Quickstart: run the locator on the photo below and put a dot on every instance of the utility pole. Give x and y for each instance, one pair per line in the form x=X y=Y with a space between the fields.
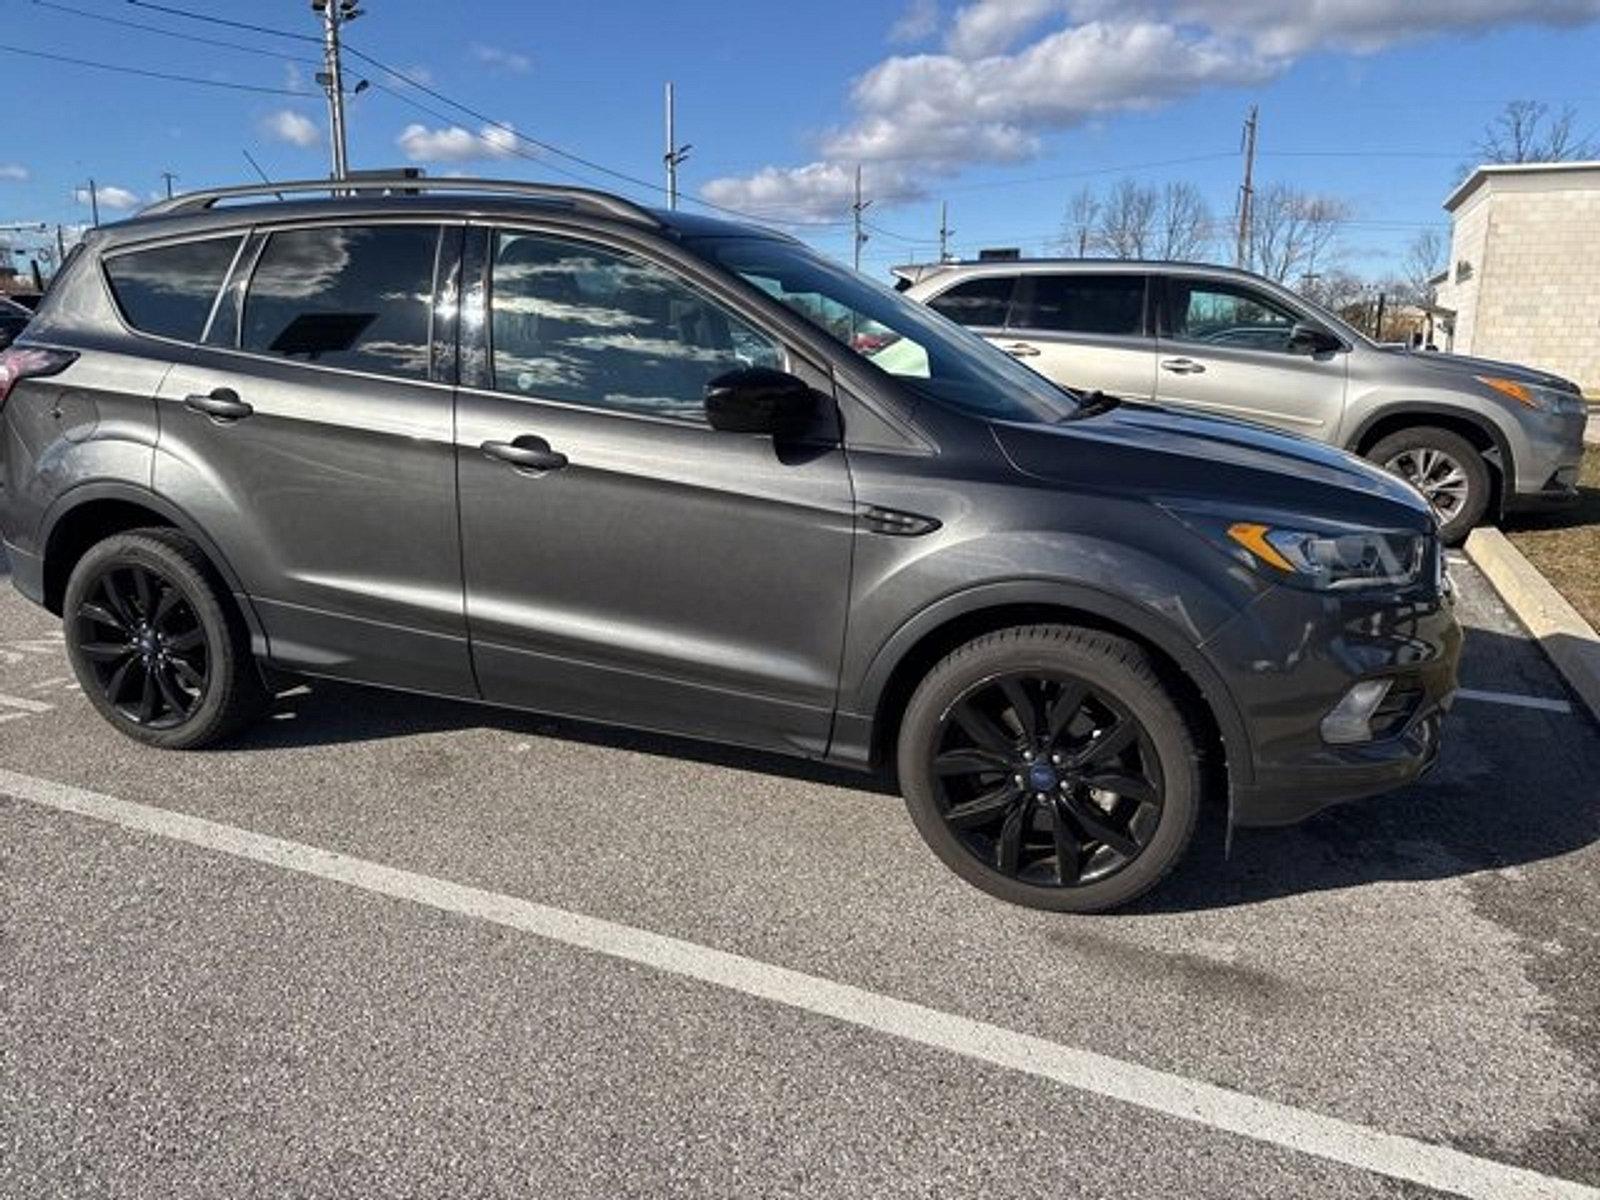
x=944 y=231
x=675 y=154
x=61 y=247
x=331 y=77
x=856 y=209
x=1247 y=192
x=94 y=204
x=168 y=177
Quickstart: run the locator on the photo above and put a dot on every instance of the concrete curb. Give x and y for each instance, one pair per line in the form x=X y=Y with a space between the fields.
x=1569 y=641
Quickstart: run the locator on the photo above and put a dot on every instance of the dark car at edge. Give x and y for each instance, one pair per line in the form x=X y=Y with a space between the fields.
x=545 y=449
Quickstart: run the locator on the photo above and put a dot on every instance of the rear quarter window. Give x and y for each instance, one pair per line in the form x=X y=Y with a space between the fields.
x=981 y=302
x=169 y=290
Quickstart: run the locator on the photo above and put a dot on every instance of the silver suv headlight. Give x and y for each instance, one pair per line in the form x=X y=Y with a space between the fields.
x=1556 y=401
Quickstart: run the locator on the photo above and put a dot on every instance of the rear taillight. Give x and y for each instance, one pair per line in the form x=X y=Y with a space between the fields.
x=30 y=362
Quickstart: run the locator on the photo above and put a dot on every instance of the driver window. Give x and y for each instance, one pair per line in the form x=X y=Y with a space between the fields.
x=1226 y=315
x=606 y=329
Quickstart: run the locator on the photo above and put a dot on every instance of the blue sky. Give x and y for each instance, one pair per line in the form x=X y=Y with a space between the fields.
x=1001 y=107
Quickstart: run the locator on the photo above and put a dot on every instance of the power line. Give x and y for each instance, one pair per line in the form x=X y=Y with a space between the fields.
x=194 y=16
x=170 y=78
x=173 y=33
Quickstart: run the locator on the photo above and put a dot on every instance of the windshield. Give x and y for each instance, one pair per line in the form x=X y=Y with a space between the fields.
x=921 y=349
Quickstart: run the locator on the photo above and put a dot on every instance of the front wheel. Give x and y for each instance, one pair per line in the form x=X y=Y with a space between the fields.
x=1445 y=468
x=156 y=643
x=1050 y=767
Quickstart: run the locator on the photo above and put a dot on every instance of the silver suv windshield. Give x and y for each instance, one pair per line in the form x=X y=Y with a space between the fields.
x=930 y=355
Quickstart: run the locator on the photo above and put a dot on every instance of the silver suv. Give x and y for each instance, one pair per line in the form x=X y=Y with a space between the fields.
x=1476 y=437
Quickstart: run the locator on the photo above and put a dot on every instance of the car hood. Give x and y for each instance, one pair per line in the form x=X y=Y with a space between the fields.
x=1461 y=364
x=1170 y=455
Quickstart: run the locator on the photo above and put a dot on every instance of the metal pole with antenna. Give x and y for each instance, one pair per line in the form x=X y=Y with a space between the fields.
x=331 y=77
x=860 y=206
x=675 y=154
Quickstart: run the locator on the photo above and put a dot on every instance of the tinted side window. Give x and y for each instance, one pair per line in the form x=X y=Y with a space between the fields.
x=609 y=330
x=1226 y=314
x=977 y=301
x=1104 y=304
x=169 y=290
x=349 y=296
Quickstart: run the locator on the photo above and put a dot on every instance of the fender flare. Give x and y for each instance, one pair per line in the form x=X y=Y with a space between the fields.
x=1113 y=610
x=106 y=489
x=1502 y=445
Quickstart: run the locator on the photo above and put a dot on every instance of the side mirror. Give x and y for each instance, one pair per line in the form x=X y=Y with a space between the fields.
x=1306 y=338
x=759 y=400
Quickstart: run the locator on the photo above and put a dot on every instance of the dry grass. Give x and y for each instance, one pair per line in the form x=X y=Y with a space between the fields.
x=1565 y=545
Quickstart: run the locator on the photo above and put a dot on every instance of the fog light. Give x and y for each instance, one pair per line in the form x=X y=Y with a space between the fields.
x=1351 y=719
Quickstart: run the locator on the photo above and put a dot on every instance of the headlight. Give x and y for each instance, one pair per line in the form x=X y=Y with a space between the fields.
x=1332 y=561
x=1530 y=395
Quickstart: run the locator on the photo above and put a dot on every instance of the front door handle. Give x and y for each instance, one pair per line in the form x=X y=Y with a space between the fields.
x=1021 y=350
x=526 y=453
x=1182 y=366
x=222 y=404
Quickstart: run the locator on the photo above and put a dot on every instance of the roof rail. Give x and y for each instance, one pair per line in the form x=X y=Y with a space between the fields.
x=578 y=198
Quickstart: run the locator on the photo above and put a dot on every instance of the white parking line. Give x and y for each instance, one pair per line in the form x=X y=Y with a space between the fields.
x=26 y=705
x=1514 y=700
x=1360 y=1146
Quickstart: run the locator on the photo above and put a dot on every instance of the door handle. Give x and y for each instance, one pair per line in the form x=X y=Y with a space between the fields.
x=526 y=453
x=1021 y=350
x=221 y=404
x=1182 y=366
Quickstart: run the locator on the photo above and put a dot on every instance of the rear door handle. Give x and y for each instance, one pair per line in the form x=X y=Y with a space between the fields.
x=1182 y=366
x=526 y=453
x=221 y=404
x=1021 y=350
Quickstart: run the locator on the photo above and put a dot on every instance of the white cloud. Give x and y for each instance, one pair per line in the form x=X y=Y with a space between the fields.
x=505 y=60
x=990 y=26
x=13 y=173
x=1014 y=71
x=919 y=21
x=1361 y=26
x=286 y=125
x=108 y=196
x=815 y=192
x=455 y=144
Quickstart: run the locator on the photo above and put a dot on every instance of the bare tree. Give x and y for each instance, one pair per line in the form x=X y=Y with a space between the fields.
x=1128 y=221
x=1293 y=231
x=1183 y=223
x=1078 y=230
x=1335 y=289
x=1425 y=258
x=1527 y=131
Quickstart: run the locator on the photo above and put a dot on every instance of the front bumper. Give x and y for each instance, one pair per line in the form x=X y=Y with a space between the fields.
x=1293 y=655
x=1549 y=462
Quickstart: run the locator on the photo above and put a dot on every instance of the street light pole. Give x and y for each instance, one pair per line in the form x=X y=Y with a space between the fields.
x=334 y=13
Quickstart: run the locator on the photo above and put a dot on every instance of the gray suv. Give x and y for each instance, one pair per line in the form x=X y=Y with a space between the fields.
x=543 y=448
x=1477 y=438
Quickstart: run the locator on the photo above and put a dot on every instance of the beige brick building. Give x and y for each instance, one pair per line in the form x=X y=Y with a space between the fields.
x=1524 y=274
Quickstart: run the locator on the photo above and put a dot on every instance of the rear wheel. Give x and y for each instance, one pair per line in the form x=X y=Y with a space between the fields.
x=1444 y=467
x=156 y=643
x=1051 y=767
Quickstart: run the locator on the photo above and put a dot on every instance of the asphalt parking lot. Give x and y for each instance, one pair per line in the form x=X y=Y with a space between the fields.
x=415 y=948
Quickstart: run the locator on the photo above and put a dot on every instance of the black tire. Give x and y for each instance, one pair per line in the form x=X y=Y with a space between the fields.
x=1433 y=459
x=1114 y=680
x=147 y=604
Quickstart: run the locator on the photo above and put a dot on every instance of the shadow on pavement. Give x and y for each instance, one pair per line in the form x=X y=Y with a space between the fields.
x=1514 y=785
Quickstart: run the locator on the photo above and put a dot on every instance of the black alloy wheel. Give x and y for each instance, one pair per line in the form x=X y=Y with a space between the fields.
x=144 y=644
x=1047 y=779
x=158 y=642
x=1051 y=766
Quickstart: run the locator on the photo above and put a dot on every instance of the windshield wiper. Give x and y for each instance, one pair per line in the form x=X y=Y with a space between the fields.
x=1092 y=404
